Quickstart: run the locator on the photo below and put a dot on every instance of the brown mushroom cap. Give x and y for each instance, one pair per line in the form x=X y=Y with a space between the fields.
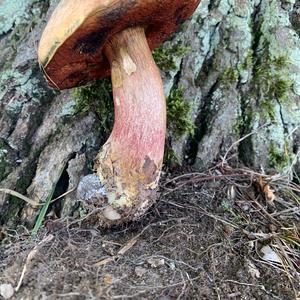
x=70 y=50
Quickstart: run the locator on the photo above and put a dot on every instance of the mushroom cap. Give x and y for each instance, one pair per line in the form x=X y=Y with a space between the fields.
x=70 y=49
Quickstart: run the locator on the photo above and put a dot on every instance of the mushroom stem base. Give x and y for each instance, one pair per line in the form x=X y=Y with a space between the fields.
x=130 y=161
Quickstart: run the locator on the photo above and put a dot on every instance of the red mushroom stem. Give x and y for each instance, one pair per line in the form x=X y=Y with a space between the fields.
x=129 y=163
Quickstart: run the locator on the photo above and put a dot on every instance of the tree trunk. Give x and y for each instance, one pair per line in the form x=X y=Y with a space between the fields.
x=239 y=73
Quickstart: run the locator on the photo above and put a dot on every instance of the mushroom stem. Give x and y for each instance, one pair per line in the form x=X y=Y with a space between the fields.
x=130 y=161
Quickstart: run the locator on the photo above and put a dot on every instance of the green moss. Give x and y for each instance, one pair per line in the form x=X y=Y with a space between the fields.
x=280 y=87
x=170 y=156
x=271 y=77
x=248 y=61
x=268 y=109
x=279 y=159
x=178 y=114
x=271 y=82
x=229 y=76
x=227 y=208
x=238 y=126
x=270 y=73
x=165 y=57
x=96 y=97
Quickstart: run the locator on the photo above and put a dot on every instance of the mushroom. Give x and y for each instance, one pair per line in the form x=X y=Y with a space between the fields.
x=86 y=40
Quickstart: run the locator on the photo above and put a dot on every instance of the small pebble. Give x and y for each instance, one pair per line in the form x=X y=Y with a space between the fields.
x=156 y=262
x=139 y=271
x=111 y=214
x=6 y=290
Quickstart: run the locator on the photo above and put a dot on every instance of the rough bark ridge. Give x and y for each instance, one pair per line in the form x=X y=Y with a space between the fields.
x=241 y=74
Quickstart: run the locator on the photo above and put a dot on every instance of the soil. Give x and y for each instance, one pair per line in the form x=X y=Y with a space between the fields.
x=202 y=240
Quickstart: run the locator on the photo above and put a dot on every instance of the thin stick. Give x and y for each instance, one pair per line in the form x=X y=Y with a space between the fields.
x=20 y=196
x=30 y=201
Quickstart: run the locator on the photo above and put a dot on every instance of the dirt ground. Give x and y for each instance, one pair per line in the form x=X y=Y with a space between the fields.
x=205 y=239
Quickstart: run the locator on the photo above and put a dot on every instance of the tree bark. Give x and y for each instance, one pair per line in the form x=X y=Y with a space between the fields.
x=240 y=75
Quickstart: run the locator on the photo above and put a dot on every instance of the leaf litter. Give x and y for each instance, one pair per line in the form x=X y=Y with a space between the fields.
x=227 y=233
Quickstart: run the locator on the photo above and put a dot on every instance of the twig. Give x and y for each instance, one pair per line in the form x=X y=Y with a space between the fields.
x=245 y=283
x=120 y=253
x=217 y=218
x=63 y=195
x=20 y=196
x=30 y=201
x=203 y=178
x=183 y=176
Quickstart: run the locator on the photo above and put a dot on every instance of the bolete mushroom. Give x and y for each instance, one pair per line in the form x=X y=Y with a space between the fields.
x=90 y=39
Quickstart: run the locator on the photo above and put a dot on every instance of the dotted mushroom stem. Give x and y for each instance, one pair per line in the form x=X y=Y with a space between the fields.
x=130 y=161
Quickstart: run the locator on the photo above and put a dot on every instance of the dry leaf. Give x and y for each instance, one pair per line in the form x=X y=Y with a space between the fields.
x=156 y=262
x=267 y=190
x=108 y=279
x=270 y=255
x=139 y=271
x=127 y=247
x=105 y=261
